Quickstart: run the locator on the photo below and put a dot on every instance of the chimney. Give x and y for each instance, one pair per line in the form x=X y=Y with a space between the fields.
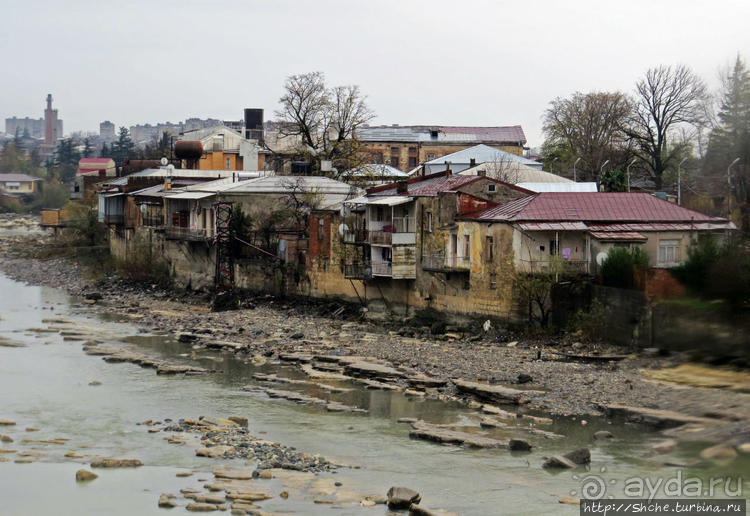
x=402 y=187
x=472 y=163
x=448 y=169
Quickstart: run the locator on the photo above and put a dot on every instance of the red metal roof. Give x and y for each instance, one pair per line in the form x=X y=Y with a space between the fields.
x=94 y=160
x=593 y=207
x=433 y=184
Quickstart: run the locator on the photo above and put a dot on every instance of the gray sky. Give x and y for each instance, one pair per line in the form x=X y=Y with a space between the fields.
x=470 y=62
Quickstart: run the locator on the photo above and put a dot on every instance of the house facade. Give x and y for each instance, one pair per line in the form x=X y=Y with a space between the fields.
x=20 y=184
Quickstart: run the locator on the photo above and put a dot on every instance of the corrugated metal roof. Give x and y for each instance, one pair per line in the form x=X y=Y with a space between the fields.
x=18 y=178
x=514 y=172
x=617 y=236
x=553 y=226
x=284 y=184
x=559 y=187
x=376 y=170
x=482 y=154
x=445 y=134
x=428 y=186
x=389 y=201
x=190 y=195
x=594 y=207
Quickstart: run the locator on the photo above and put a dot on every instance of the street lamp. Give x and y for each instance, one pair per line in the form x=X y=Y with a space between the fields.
x=551 y=162
x=627 y=171
x=729 y=185
x=679 y=181
x=601 y=171
x=574 y=169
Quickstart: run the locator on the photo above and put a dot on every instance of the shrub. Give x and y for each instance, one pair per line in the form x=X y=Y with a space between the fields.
x=618 y=270
x=590 y=322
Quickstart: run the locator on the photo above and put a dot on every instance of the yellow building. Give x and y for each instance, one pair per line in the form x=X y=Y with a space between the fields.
x=18 y=184
x=224 y=149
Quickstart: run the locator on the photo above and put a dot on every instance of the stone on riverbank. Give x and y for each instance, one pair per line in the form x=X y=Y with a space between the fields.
x=166 y=501
x=116 y=463
x=5 y=422
x=494 y=393
x=201 y=507
x=720 y=453
x=83 y=475
x=603 y=435
x=402 y=498
x=569 y=460
x=215 y=452
x=232 y=473
x=422 y=430
x=6 y=438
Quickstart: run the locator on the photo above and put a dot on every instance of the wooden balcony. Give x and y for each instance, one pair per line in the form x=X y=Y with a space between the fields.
x=358 y=271
x=354 y=236
x=382 y=269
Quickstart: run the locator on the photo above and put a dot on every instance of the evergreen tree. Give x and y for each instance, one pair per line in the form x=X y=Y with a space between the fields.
x=104 y=153
x=123 y=147
x=87 y=150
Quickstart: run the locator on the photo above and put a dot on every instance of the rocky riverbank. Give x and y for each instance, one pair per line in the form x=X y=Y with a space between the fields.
x=556 y=376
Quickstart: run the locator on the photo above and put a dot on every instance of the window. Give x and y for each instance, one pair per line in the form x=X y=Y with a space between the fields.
x=321 y=224
x=429 y=222
x=412 y=151
x=377 y=157
x=229 y=164
x=467 y=246
x=430 y=156
x=412 y=162
x=491 y=187
x=493 y=281
x=395 y=151
x=379 y=214
x=552 y=248
x=490 y=251
x=394 y=161
x=669 y=251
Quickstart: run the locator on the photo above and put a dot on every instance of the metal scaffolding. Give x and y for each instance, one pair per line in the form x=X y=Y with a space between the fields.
x=224 y=276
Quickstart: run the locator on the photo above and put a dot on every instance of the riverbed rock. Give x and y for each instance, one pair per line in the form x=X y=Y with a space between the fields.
x=241 y=421
x=232 y=473
x=495 y=393
x=402 y=497
x=663 y=447
x=201 y=507
x=116 y=463
x=519 y=445
x=166 y=501
x=83 y=475
x=744 y=448
x=6 y=438
x=603 y=435
x=422 y=430
x=5 y=422
x=569 y=460
x=656 y=418
x=720 y=453
x=215 y=452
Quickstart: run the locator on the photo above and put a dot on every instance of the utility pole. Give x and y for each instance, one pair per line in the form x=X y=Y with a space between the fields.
x=601 y=170
x=627 y=171
x=679 y=182
x=574 y=170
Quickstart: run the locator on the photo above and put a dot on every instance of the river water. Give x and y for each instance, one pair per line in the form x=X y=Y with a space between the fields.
x=45 y=385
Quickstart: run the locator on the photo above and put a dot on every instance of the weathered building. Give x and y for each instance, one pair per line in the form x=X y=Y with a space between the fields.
x=21 y=184
x=406 y=147
x=224 y=149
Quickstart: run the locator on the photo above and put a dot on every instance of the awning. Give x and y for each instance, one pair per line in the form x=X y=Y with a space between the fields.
x=392 y=200
x=190 y=195
x=618 y=236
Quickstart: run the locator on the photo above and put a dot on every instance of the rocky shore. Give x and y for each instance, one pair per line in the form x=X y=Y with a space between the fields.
x=559 y=377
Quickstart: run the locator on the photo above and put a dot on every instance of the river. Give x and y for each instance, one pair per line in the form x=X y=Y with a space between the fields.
x=45 y=385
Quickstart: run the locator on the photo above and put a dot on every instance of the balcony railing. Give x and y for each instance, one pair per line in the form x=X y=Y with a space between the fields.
x=360 y=271
x=382 y=269
x=178 y=233
x=110 y=218
x=380 y=237
x=563 y=267
x=354 y=236
x=440 y=262
x=154 y=221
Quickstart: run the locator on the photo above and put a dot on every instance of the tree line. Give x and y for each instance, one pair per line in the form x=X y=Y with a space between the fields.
x=670 y=123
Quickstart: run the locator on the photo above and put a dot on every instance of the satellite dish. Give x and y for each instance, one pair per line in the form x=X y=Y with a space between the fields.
x=601 y=257
x=164 y=162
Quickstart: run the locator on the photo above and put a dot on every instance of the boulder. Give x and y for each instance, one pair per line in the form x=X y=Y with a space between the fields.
x=721 y=453
x=569 y=460
x=603 y=435
x=232 y=473
x=116 y=463
x=6 y=438
x=166 y=502
x=215 y=452
x=201 y=507
x=518 y=445
x=83 y=475
x=402 y=497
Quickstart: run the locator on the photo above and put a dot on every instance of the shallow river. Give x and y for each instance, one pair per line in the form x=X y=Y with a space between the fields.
x=45 y=385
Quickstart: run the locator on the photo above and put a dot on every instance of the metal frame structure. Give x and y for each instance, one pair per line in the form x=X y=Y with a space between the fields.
x=224 y=276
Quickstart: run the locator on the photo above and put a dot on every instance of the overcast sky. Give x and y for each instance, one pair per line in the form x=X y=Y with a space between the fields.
x=467 y=62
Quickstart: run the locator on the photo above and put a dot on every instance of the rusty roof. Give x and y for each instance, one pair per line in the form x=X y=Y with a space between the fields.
x=433 y=184
x=617 y=236
x=593 y=207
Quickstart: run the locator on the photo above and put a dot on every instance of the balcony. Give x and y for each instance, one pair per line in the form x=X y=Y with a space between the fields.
x=380 y=237
x=566 y=267
x=154 y=221
x=354 y=236
x=110 y=218
x=382 y=269
x=178 y=233
x=441 y=263
x=358 y=271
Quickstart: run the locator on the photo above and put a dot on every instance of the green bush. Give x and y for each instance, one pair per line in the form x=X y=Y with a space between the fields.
x=618 y=270
x=142 y=266
x=590 y=322
x=703 y=254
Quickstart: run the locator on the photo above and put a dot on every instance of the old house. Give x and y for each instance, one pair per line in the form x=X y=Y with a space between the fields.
x=405 y=147
x=581 y=227
x=224 y=149
x=467 y=158
x=18 y=184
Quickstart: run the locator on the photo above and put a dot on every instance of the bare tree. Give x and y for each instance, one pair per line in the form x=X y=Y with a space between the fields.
x=587 y=126
x=666 y=98
x=324 y=119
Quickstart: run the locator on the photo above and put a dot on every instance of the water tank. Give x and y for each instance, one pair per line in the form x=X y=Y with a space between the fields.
x=188 y=149
x=254 y=123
